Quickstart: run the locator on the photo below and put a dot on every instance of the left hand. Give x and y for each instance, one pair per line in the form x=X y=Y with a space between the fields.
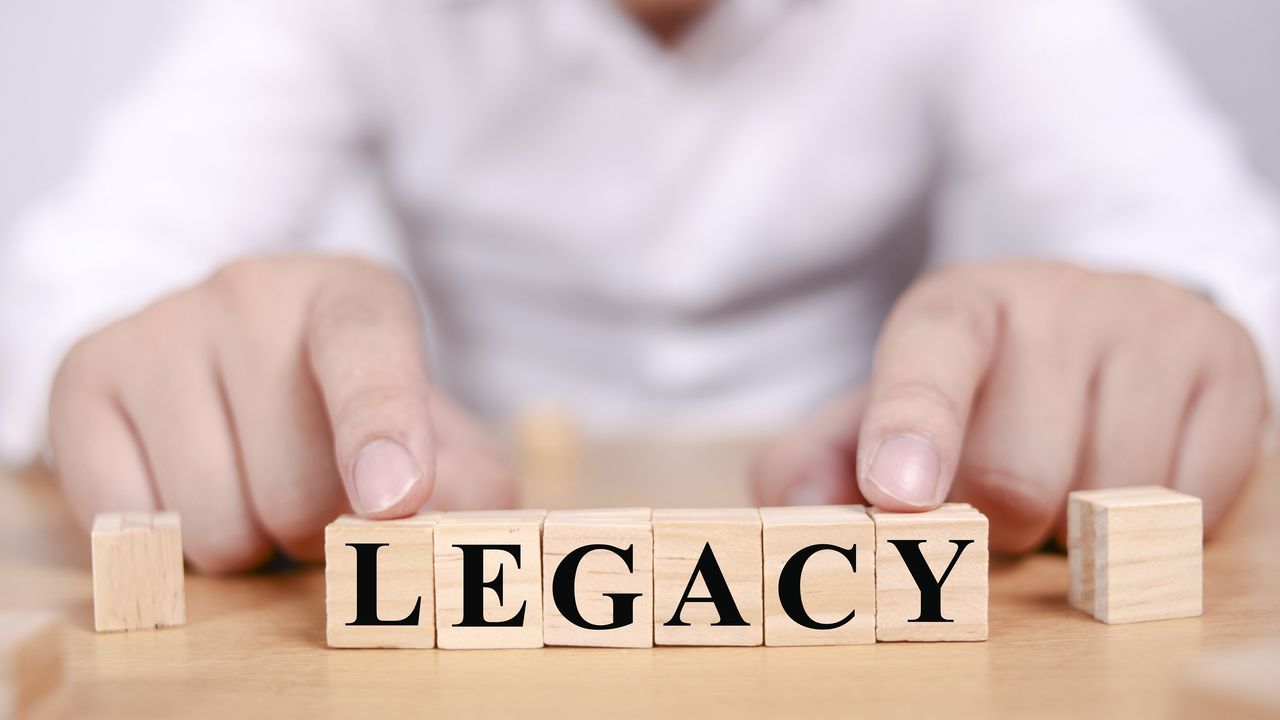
x=1009 y=385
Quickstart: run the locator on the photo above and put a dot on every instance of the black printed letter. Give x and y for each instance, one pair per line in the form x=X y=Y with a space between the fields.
x=930 y=589
x=717 y=593
x=564 y=594
x=367 y=588
x=474 y=584
x=789 y=586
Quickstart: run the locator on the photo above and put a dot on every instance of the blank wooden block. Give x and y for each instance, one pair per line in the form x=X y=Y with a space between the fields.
x=30 y=660
x=137 y=571
x=404 y=581
x=599 y=574
x=837 y=599
x=729 y=540
x=516 y=532
x=1135 y=553
x=904 y=610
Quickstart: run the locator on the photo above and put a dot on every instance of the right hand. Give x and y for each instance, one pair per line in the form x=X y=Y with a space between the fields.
x=261 y=404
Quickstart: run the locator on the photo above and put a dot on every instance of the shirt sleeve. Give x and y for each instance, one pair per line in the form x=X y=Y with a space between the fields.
x=225 y=150
x=1071 y=134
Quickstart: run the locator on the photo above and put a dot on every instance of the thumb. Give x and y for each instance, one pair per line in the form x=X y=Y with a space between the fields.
x=932 y=356
x=365 y=345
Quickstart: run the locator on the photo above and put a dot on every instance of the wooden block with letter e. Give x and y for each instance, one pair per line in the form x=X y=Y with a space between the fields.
x=379 y=584
x=30 y=661
x=707 y=577
x=931 y=574
x=1135 y=553
x=489 y=579
x=597 y=578
x=137 y=571
x=819 y=576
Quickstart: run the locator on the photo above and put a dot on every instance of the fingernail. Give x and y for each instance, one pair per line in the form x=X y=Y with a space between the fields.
x=907 y=467
x=384 y=473
x=819 y=488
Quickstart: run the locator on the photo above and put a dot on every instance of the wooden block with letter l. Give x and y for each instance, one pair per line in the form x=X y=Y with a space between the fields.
x=489 y=579
x=597 y=578
x=819 y=576
x=137 y=571
x=30 y=661
x=379 y=583
x=1135 y=553
x=708 y=577
x=931 y=574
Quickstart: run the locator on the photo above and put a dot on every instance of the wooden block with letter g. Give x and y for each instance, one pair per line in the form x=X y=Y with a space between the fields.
x=137 y=571
x=1135 y=553
x=597 y=579
x=489 y=579
x=707 y=577
x=379 y=584
x=30 y=661
x=931 y=574
x=819 y=576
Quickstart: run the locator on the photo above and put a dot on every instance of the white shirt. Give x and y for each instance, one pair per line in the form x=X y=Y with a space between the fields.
x=707 y=236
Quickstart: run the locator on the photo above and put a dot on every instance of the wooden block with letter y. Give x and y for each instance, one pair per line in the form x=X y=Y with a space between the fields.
x=819 y=575
x=489 y=579
x=379 y=584
x=707 y=577
x=931 y=574
x=597 y=580
x=1135 y=553
x=137 y=571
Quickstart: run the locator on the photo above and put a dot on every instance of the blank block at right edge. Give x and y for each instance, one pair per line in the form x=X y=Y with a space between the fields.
x=1135 y=553
x=931 y=575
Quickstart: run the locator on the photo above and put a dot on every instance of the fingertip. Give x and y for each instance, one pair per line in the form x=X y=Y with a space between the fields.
x=904 y=474
x=387 y=480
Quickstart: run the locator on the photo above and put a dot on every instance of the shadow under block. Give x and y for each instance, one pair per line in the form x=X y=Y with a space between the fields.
x=489 y=579
x=137 y=571
x=30 y=660
x=828 y=596
x=692 y=551
x=1135 y=553
x=913 y=554
x=609 y=584
x=400 y=576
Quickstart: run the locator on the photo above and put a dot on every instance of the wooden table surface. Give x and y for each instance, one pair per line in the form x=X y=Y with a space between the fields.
x=254 y=645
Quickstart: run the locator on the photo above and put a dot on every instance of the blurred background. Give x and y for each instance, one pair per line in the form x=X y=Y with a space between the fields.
x=62 y=61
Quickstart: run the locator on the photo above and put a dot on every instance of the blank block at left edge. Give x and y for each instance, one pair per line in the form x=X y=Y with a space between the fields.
x=489 y=579
x=137 y=571
x=30 y=661
x=395 y=559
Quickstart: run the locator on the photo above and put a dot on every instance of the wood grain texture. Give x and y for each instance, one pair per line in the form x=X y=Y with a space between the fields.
x=679 y=539
x=831 y=586
x=138 y=578
x=521 y=578
x=255 y=644
x=599 y=572
x=1135 y=554
x=965 y=590
x=405 y=581
x=30 y=661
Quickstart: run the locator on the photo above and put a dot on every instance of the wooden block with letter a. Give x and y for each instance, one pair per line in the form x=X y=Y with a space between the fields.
x=819 y=576
x=489 y=579
x=597 y=580
x=931 y=574
x=1135 y=553
x=379 y=584
x=137 y=571
x=707 y=577
x=30 y=661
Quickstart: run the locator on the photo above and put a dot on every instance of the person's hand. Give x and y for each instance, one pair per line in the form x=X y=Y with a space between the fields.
x=1009 y=385
x=263 y=403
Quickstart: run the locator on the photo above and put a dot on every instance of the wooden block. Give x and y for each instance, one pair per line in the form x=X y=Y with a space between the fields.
x=30 y=661
x=931 y=574
x=828 y=555
x=692 y=551
x=1135 y=553
x=493 y=598
x=605 y=582
x=401 y=613
x=137 y=571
